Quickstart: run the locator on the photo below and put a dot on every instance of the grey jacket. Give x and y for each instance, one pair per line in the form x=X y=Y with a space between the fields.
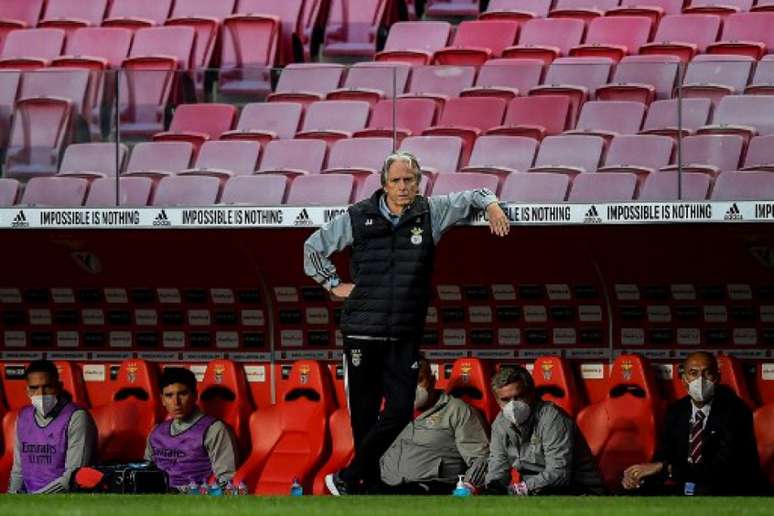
x=548 y=451
x=443 y=442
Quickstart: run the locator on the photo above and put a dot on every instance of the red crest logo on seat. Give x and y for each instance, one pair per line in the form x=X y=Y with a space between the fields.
x=219 y=369
x=303 y=374
x=131 y=372
x=465 y=369
x=626 y=370
x=548 y=370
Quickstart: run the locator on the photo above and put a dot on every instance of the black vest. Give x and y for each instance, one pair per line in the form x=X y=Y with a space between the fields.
x=391 y=269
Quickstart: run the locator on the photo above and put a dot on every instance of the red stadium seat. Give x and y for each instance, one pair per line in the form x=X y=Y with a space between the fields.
x=663 y=186
x=745 y=115
x=469 y=381
x=535 y=117
x=610 y=118
x=266 y=121
x=226 y=158
x=621 y=429
x=293 y=157
x=63 y=84
x=450 y=183
x=733 y=376
x=517 y=10
x=711 y=153
x=760 y=154
x=92 y=160
x=189 y=190
x=502 y=155
x=352 y=29
x=31 y=48
x=436 y=154
x=614 y=37
x=249 y=51
x=321 y=190
x=133 y=192
x=584 y=10
x=158 y=159
x=662 y=117
x=446 y=8
x=9 y=191
x=288 y=12
x=9 y=438
x=763 y=420
x=373 y=82
x=342 y=449
x=743 y=186
x=555 y=382
x=653 y=9
x=412 y=116
x=638 y=154
x=135 y=408
x=535 y=187
x=505 y=78
x=747 y=34
x=9 y=87
x=569 y=154
x=69 y=16
x=602 y=187
x=205 y=17
x=642 y=79
x=197 y=123
x=762 y=82
x=414 y=42
x=546 y=39
x=291 y=439
x=256 y=190
x=360 y=157
x=333 y=120
x=719 y=7
x=715 y=76
x=307 y=82
x=18 y=14
x=683 y=35
x=440 y=82
x=475 y=42
x=137 y=14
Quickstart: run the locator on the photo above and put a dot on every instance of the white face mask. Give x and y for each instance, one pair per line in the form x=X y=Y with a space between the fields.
x=420 y=398
x=517 y=412
x=43 y=403
x=701 y=390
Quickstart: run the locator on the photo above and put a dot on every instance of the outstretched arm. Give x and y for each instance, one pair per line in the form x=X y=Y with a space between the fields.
x=447 y=210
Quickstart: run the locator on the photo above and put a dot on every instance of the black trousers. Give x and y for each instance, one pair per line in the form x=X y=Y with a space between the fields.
x=378 y=370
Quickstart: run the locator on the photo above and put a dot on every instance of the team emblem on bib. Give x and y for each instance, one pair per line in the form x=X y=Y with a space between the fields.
x=416 y=236
x=357 y=357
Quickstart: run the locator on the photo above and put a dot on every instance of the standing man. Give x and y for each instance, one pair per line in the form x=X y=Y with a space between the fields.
x=54 y=437
x=707 y=445
x=189 y=446
x=393 y=236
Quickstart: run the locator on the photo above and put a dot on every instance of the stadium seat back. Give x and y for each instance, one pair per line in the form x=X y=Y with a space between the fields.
x=55 y=192
x=663 y=186
x=81 y=13
x=224 y=394
x=133 y=192
x=535 y=187
x=236 y=157
x=9 y=439
x=300 y=155
x=555 y=382
x=411 y=114
x=93 y=157
x=262 y=189
x=451 y=183
x=189 y=190
x=441 y=80
x=436 y=153
x=153 y=11
x=160 y=156
x=9 y=192
x=42 y=44
x=209 y=119
x=321 y=190
x=342 y=448
x=469 y=381
x=743 y=186
x=601 y=187
x=563 y=33
x=281 y=118
x=25 y=11
x=763 y=420
x=72 y=382
x=111 y=44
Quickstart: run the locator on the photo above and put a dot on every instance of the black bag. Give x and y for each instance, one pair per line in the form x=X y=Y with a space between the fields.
x=131 y=478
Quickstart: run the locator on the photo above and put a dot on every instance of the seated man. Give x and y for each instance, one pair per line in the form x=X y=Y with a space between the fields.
x=446 y=440
x=707 y=445
x=54 y=437
x=190 y=446
x=536 y=447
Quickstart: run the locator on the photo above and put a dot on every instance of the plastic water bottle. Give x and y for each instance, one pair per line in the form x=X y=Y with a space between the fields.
x=461 y=489
x=204 y=489
x=242 y=489
x=296 y=489
x=690 y=489
x=192 y=488
x=215 y=489
x=229 y=489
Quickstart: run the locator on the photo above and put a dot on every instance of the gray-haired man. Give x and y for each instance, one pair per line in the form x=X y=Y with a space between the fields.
x=539 y=441
x=393 y=236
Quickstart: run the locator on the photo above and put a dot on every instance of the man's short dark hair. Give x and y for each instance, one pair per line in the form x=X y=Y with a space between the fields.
x=513 y=374
x=42 y=366
x=178 y=375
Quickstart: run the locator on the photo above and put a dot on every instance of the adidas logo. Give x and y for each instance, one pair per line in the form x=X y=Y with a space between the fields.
x=592 y=216
x=733 y=213
x=303 y=219
x=162 y=219
x=20 y=220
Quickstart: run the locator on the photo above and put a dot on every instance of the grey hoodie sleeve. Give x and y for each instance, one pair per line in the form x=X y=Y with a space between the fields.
x=447 y=210
x=331 y=237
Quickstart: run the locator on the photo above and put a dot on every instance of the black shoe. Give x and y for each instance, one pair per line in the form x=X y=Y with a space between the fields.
x=336 y=485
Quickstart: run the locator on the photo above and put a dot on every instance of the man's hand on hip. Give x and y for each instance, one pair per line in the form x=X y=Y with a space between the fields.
x=498 y=221
x=342 y=290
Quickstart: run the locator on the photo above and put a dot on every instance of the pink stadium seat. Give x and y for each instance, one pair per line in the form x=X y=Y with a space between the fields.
x=546 y=39
x=256 y=190
x=414 y=42
x=226 y=158
x=747 y=34
x=290 y=15
x=342 y=449
x=333 y=120
x=535 y=187
x=446 y=8
x=654 y=9
x=352 y=29
x=266 y=121
x=205 y=17
x=719 y=7
x=535 y=117
x=506 y=78
x=249 y=49
x=312 y=20
x=760 y=154
x=603 y=187
x=9 y=87
x=412 y=116
x=293 y=157
x=373 y=183
x=610 y=118
x=450 y=183
x=9 y=191
x=475 y=42
x=321 y=190
x=137 y=14
x=307 y=82
x=55 y=192
x=614 y=37
x=360 y=157
x=440 y=82
x=584 y=10
x=743 y=186
x=555 y=382
x=663 y=186
x=18 y=14
x=569 y=154
x=468 y=118
x=715 y=76
x=621 y=429
x=157 y=159
x=762 y=82
x=289 y=439
x=762 y=6
x=711 y=153
x=133 y=192
x=662 y=117
x=643 y=78
x=502 y=155
x=683 y=35
x=373 y=82
x=470 y=381
x=517 y=10
x=93 y=160
x=68 y=15
x=31 y=48
x=149 y=77
x=64 y=84
x=190 y=190
x=577 y=78
x=197 y=123
x=640 y=154
x=436 y=154
x=746 y=115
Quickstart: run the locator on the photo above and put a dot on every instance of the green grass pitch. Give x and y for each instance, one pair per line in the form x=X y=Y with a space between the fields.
x=117 y=505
